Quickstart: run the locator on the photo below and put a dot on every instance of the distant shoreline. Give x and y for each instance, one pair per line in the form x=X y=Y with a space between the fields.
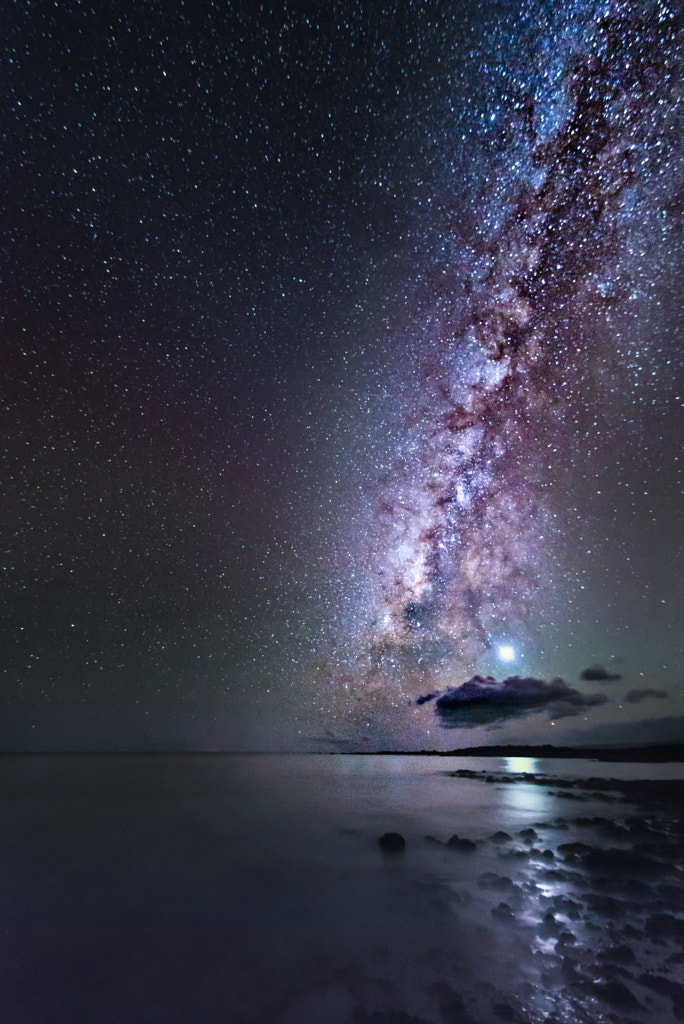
x=654 y=754
x=657 y=753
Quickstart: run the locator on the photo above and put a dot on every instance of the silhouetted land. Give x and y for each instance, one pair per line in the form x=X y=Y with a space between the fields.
x=654 y=754
x=644 y=754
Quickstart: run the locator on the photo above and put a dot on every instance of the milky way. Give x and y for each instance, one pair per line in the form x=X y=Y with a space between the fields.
x=458 y=536
x=342 y=364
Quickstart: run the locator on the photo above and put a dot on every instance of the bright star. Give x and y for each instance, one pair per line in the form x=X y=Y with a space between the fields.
x=506 y=653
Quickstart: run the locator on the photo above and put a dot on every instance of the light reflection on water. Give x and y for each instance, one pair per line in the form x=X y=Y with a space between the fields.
x=520 y=764
x=525 y=797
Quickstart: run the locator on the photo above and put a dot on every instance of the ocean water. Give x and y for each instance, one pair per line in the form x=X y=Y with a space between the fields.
x=250 y=888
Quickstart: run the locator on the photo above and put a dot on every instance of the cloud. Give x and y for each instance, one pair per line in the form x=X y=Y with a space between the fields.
x=426 y=698
x=484 y=701
x=597 y=674
x=634 y=696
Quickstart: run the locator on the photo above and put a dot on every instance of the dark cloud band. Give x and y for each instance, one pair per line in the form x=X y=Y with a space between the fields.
x=635 y=696
x=598 y=674
x=484 y=701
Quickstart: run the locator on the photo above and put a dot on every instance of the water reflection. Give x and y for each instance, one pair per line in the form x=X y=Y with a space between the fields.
x=520 y=764
x=521 y=796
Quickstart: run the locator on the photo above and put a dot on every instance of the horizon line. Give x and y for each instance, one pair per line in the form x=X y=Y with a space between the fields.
x=507 y=749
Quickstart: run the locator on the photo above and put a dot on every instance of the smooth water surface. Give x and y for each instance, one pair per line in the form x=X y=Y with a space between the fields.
x=249 y=888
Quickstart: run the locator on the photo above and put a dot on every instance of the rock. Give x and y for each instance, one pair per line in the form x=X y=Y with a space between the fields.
x=501 y=883
x=621 y=954
x=500 y=837
x=572 y=849
x=555 y=875
x=667 y=987
x=503 y=913
x=606 y=906
x=392 y=842
x=616 y=995
x=549 y=926
x=464 y=845
x=433 y=841
x=665 y=926
x=564 y=905
x=626 y=862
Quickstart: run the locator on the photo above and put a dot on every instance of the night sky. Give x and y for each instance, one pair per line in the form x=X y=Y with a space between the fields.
x=343 y=374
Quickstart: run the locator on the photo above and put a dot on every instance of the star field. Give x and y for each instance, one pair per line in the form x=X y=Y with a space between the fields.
x=341 y=351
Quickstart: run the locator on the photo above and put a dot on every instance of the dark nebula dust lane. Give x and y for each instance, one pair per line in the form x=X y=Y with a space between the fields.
x=543 y=263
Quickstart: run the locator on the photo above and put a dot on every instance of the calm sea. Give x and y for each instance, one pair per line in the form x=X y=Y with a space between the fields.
x=246 y=888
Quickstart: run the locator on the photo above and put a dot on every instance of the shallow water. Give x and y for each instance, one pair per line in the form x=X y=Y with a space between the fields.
x=252 y=888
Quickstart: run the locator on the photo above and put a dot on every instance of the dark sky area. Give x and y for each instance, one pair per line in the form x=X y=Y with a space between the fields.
x=342 y=374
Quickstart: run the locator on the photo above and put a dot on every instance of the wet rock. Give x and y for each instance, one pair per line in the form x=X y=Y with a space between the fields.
x=569 y=908
x=392 y=842
x=574 y=849
x=450 y=1002
x=597 y=822
x=555 y=875
x=628 y=886
x=500 y=837
x=628 y=931
x=461 y=896
x=561 y=970
x=673 y=895
x=500 y=883
x=625 y=862
x=606 y=906
x=665 y=927
x=615 y=830
x=514 y=855
x=503 y=913
x=616 y=995
x=622 y=954
x=549 y=926
x=528 y=834
x=565 y=939
x=666 y=987
x=433 y=841
x=639 y=827
x=548 y=855
x=463 y=845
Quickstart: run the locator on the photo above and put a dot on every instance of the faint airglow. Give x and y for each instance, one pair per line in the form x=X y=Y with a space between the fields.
x=506 y=652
